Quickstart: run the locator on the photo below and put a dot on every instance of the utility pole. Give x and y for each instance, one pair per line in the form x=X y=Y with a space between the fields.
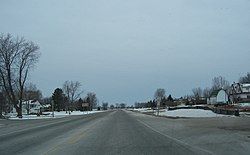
x=158 y=106
x=53 y=114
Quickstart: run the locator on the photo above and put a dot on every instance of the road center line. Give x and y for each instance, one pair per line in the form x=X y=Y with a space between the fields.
x=73 y=139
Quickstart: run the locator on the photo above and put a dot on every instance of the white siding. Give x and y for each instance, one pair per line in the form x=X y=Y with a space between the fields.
x=222 y=97
x=34 y=107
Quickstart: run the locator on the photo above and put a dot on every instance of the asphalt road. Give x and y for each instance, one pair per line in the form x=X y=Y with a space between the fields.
x=124 y=132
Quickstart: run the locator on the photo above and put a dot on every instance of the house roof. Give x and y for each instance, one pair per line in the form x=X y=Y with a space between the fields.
x=214 y=93
x=31 y=102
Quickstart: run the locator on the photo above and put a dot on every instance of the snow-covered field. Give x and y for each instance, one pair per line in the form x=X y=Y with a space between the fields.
x=190 y=113
x=49 y=115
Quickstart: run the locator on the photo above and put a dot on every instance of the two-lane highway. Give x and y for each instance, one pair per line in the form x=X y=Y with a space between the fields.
x=112 y=132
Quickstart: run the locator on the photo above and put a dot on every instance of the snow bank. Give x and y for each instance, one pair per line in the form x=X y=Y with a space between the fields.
x=142 y=110
x=190 y=113
x=63 y=113
x=49 y=115
x=25 y=117
x=244 y=105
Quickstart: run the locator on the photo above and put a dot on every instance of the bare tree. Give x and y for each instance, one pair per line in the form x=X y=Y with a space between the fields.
x=105 y=105
x=32 y=93
x=91 y=99
x=197 y=92
x=206 y=92
x=159 y=94
x=117 y=105
x=46 y=100
x=72 y=91
x=245 y=79
x=220 y=83
x=17 y=58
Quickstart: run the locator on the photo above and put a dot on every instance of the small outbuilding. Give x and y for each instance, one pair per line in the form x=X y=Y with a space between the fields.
x=218 y=97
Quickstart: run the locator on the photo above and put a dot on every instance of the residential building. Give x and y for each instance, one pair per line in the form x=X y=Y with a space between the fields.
x=218 y=97
x=240 y=92
x=30 y=107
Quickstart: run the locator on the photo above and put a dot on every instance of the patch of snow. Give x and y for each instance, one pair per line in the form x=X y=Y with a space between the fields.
x=56 y=114
x=245 y=114
x=183 y=105
x=244 y=104
x=199 y=105
x=190 y=113
x=144 y=110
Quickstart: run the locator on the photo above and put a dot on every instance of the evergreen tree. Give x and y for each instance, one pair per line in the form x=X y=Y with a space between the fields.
x=170 y=98
x=164 y=101
x=79 y=104
x=58 y=98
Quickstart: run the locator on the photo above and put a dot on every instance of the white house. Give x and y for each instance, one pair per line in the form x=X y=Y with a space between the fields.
x=30 y=107
x=218 y=97
x=240 y=92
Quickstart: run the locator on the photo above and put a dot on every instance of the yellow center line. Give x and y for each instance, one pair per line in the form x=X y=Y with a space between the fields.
x=73 y=139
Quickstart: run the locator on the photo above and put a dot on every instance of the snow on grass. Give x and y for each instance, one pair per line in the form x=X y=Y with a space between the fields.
x=142 y=110
x=25 y=117
x=190 y=113
x=63 y=113
x=244 y=105
x=49 y=115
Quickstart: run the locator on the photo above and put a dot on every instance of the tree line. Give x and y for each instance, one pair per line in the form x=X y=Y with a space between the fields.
x=197 y=93
x=68 y=98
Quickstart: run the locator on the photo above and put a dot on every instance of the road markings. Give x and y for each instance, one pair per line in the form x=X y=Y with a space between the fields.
x=76 y=138
x=27 y=129
x=174 y=139
x=73 y=139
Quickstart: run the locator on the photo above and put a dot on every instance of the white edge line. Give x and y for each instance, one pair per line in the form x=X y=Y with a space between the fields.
x=174 y=139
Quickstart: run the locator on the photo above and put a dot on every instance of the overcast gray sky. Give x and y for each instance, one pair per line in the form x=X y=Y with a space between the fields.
x=125 y=49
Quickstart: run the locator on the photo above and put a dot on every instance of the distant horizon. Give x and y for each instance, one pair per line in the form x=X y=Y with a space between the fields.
x=124 y=50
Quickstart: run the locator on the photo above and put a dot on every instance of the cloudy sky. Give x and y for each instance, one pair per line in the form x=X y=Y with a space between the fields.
x=125 y=49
